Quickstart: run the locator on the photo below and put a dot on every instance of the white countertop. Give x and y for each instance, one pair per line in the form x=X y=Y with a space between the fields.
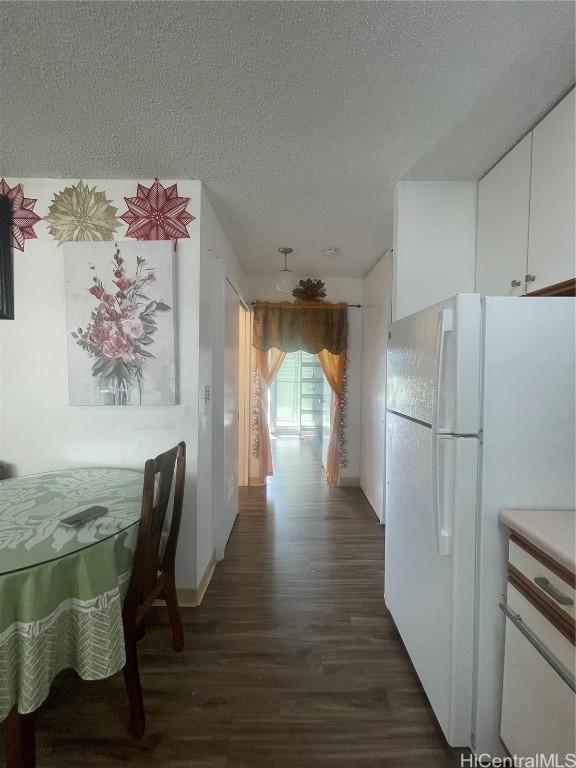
x=551 y=530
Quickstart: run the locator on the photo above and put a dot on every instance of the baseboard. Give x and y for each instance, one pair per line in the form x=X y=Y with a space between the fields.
x=187 y=598
x=191 y=598
x=206 y=578
x=376 y=515
x=351 y=481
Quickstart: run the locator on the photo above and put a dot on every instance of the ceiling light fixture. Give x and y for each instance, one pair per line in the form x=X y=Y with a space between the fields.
x=286 y=279
x=331 y=251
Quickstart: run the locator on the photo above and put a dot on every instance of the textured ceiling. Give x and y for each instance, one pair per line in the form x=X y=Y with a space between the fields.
x=299 y=116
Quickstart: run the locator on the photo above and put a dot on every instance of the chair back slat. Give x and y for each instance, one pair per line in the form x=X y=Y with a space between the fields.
x=178 y=502
x=161 y=474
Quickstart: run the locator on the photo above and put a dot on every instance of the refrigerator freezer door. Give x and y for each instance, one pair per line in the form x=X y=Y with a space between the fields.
x=434 y=366
x=429 y=563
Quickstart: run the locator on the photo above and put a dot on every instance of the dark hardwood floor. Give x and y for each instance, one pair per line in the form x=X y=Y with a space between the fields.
x=292 y=660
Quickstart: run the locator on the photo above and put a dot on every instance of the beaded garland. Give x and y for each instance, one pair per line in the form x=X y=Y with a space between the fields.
x=255 y=409
x=342 y=418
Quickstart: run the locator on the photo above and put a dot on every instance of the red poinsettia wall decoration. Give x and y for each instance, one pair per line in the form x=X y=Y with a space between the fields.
x=23 y=216
x=157 y=213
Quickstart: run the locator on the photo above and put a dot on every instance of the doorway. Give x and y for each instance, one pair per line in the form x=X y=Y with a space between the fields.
x=278 y=329
x=298 y=410
x=299 y=415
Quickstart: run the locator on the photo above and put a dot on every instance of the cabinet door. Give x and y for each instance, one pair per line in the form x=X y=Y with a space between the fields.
x=503 y=207
x=551 y=240
x=538 y=707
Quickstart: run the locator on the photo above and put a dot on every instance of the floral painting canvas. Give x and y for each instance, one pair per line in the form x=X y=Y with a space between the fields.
x=120 y=318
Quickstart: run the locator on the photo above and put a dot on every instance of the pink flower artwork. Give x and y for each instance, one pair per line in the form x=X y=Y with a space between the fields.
x=120 y=334
x=133 y=328
x=23 y=216
x=157 y=213
x=118 y=347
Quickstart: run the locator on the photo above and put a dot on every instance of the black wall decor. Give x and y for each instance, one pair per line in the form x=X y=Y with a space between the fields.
x=6 y=264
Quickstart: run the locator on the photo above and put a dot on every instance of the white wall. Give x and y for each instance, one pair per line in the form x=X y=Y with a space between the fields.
x=377 y=315
x=38 y=429
x=218 y=244
x=231 y=417
x=434 y=242
x=219 y=342
x=209 y=400
x=348 y=289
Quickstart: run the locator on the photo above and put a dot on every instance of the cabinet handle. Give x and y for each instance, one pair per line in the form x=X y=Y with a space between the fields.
x=551 y=590
x=515 y=284
x=542 y=649
x=530 y=278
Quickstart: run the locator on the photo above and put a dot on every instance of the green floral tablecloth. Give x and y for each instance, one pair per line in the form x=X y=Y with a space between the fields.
x=61 y=589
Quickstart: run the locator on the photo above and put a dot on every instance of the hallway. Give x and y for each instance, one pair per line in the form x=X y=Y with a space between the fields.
x=290 y=662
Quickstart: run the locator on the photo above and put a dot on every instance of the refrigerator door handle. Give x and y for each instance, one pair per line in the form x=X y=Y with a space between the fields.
x=445 y=324
x=443 y=486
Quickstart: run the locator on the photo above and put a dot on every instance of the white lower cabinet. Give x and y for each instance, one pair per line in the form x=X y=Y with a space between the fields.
x=538 y=706
x=538 y=695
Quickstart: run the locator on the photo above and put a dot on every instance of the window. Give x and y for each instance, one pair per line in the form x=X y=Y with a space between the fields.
x=297 y=396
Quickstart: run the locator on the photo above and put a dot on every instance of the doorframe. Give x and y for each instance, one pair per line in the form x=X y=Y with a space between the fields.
x=244 y=386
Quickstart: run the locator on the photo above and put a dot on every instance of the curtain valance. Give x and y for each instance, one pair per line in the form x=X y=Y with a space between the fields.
x=310 y=326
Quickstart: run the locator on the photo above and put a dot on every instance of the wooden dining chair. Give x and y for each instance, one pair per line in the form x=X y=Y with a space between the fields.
x=153 y=572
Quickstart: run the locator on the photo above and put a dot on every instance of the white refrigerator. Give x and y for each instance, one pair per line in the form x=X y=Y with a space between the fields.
x=480 y=417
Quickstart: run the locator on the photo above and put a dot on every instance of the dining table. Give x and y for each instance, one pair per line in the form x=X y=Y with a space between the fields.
x=61 y=587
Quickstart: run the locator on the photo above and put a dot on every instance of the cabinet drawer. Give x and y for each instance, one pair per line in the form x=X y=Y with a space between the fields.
x=538 y=706
x=547 y=583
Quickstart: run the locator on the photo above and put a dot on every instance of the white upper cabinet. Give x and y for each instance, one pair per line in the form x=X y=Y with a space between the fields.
x=551 y=235
x=434 y=243
x=526 y=207
x=502 y=240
